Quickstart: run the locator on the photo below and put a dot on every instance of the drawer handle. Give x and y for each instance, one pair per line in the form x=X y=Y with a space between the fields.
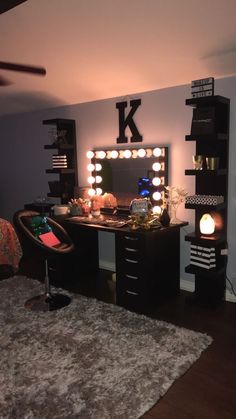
x=131 y=261
x=129 y=249
x=131 y=276
x=131 y=292
x=131 y=238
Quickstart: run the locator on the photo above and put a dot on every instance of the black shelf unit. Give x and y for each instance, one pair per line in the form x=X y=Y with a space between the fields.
x=63 y=145
x=211 y=141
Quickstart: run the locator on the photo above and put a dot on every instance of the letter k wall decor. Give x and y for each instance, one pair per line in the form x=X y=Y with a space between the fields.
x=127 y=121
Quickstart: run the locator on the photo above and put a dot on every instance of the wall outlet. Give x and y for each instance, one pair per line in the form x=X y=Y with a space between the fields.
x=224 y=252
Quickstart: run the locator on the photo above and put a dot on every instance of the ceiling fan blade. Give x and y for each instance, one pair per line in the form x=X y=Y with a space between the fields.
x=4 y=81
x=23 y=68
x=6 y=5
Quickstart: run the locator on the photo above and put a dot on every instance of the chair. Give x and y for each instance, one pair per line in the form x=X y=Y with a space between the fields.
x=32 y=244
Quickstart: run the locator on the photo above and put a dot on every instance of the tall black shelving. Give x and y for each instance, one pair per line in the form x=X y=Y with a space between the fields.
x=212 y=139
x=68 y=177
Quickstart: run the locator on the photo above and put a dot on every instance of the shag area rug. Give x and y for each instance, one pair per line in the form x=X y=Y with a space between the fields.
x=89 y=360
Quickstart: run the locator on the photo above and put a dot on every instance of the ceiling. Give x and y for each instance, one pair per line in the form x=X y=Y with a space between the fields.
x=97 y=49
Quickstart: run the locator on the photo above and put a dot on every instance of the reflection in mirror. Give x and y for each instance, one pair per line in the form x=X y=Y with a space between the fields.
x=129 y=172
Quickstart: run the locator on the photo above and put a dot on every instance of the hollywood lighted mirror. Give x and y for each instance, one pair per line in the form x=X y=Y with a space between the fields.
x=134 y=171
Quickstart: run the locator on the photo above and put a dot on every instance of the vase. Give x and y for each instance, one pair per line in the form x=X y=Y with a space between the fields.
x=172 y=214
x=165 y=218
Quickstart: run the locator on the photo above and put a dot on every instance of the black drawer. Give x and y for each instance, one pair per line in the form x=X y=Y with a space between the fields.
x=130 y=266
x=133 y=242
x=132 y=300
x=130 y=282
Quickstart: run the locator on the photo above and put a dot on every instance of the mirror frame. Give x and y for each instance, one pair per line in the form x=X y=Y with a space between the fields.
x=159 y=152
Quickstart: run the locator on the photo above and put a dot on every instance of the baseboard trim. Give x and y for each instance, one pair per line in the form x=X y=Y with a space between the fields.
x=108 y=266
x=189 y=286
x=184 y=285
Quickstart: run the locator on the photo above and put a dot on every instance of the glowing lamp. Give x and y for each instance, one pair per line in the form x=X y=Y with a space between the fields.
x=207 y=224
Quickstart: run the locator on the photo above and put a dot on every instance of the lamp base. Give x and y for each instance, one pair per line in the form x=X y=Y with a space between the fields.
x=47 y=303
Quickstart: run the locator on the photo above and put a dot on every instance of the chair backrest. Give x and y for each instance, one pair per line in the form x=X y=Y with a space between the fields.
x=30 y=243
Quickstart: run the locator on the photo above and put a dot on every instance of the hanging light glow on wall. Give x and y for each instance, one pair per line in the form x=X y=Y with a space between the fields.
x=207 y=224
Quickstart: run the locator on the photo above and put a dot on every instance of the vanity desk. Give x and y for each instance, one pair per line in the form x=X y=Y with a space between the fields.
x=147 y=261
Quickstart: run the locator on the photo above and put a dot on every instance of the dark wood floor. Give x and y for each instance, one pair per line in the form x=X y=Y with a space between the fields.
x=208 y=388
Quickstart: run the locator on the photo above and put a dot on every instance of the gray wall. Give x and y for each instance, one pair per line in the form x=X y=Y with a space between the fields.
x=162 y=119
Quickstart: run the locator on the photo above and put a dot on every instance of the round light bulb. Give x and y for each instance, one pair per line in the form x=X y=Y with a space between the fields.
x=90 y=154
x=156 y=166
x=98 y=167
x=98 y=179
x=156 y=196
x=141 y=152
x=157 y=152
x=91 y=167
x=156 y=181
x=127 y=154
x=114 y=154
x=98 y=191
x=91 y=180
x=91 y=192
x=156 y=210
x=101 y=154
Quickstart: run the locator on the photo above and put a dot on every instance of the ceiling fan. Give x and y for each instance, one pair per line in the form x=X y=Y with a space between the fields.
x=6 y=5
x=39 y=71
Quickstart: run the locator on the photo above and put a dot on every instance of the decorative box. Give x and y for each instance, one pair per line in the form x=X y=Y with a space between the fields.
x=204 y=257
x=59 y=161
x=204 y=199
x=203 y=121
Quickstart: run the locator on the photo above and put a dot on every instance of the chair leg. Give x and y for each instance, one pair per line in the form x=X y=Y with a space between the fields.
x=47 y=301
x=47 y=283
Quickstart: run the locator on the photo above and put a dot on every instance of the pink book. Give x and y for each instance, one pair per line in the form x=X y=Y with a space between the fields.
x=49 y=239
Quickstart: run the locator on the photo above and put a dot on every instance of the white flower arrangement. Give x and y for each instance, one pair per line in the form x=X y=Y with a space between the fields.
x=174 y=196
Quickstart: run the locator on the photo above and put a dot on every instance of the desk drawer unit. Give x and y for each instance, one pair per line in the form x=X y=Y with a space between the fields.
x=147 y=267
x=131 y=287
